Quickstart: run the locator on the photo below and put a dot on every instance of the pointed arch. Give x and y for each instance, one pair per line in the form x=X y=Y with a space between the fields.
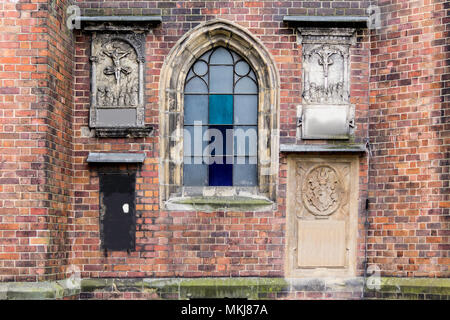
x=186 y=51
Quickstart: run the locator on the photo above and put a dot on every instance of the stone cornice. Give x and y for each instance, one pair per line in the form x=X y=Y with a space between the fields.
x=119 y=23
x=323 y=148
x=110 y=157
x=327 y=21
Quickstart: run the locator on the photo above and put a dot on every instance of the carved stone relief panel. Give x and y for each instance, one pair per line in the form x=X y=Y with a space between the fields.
x=117 y=80
x=326 y=74
x=323 y=191
x=326 y=77
x=322 y=216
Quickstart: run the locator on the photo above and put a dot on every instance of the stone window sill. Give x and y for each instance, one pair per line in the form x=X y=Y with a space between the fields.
x=220 y=199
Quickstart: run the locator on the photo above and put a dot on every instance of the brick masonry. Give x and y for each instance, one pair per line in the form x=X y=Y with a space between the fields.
x=409 y=109
x=49 y=207
x=36 y=99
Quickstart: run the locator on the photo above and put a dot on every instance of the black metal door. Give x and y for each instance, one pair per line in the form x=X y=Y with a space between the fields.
x=117 y=211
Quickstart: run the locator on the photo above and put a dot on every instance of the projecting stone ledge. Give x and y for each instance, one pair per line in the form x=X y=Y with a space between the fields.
x=328 y=21
x=104 y=157
x=347 y=148
x=220 y=203
x=128 y=132
x=97 y=23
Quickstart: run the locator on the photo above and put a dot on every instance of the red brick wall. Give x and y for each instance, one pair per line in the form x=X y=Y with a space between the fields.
x=49 y=207
x=409 y=130
x=35 y=139
x=194 y=244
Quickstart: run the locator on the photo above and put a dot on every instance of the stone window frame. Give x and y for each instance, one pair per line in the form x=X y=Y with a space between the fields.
x=206 y=36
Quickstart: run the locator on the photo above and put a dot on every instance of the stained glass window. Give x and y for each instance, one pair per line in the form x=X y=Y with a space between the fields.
x=220 y=121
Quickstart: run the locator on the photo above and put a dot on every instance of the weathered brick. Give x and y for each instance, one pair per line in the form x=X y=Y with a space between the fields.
x=44 y=101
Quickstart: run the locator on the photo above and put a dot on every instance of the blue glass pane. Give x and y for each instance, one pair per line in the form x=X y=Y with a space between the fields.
x=245 y=174
x=206 y=55
x=195 y=109
x=194 y=140
x=190 y=75
x=221 y=174
x=246 y=141
x=221 y=109
x=245 y=85
x=196 y=85
x=236 y=57
x=242 y=68
x=221 y=56
x=252 y=75
x=245 y=160
x=200 y=68
x=245 y=109
x=221 y=79
x=195 y=174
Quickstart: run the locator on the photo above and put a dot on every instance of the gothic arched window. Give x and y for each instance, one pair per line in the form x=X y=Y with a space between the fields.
x=220 y=121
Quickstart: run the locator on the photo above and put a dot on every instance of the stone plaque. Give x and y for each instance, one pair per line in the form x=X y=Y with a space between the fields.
x=326 y=82
x=321 y=244
x=117 y=80
x=322 y=216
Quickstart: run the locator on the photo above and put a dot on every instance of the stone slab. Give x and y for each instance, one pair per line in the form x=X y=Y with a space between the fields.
x=105 y=157
x=329 y=148
x=328 y=21
x=119 y=23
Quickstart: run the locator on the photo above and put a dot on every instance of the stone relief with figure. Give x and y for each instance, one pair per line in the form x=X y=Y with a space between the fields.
x=326 y=74
x=117 y=79
x=116 y=75
x=326 y=111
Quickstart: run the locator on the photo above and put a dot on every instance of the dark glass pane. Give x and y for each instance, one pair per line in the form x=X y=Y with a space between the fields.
x=221 y=174
x=221 y=109
x=195 y=109
x=220 y=140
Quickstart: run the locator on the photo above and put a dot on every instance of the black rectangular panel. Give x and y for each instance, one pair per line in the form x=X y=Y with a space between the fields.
x=117 y=211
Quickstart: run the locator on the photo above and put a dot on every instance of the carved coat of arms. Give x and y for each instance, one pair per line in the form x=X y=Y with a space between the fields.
x=322 y=191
